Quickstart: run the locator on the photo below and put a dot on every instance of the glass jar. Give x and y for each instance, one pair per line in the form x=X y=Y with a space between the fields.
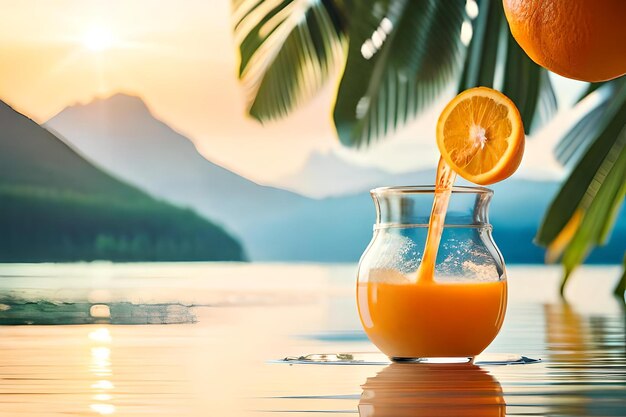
x=456 y=313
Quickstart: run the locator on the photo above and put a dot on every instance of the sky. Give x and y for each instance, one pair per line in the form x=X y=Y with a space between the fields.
x=180 y=57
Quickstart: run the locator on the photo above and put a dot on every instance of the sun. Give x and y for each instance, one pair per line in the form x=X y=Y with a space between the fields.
x=98 y=39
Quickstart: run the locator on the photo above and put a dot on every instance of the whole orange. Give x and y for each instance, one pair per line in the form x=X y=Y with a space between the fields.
x=580 y=39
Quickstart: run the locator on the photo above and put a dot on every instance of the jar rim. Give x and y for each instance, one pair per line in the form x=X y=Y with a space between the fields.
x=428 y=189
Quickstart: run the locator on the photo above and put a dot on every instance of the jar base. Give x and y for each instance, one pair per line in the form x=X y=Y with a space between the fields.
x=442 y=360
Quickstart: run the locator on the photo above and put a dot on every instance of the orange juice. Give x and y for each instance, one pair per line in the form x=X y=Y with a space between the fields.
x=432 y=319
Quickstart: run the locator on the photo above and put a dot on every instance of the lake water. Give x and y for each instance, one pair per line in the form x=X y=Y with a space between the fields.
x=203 y=340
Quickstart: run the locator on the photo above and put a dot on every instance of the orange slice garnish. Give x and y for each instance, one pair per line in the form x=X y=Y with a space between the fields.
x=481 y=136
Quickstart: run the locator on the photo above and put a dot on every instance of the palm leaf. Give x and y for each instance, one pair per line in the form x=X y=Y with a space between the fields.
x=492 y=47
x=528 y=85
x=585 y=209
x=571 y=147
x=620 y=288
x=482 y=53
x=590 y=89
x=599 y=218
x=576 y=193
x=288 y=50
x=401 y=56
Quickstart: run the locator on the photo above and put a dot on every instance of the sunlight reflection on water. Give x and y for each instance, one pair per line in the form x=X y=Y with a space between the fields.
x=100 y=340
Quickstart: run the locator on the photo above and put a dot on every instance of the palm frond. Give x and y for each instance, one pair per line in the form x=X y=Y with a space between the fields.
x=401 y=56
x=528 y=85
x=603 y=207
x=495 y=60
x=620 y=288
x=590 y=89
x=585 y=209
x=577 y=140
x=574 y=144
x=602 y=132
x=482 y=54
x=288 y=50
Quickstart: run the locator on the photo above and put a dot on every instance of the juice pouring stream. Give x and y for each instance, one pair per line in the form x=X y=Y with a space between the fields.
x=443 y=191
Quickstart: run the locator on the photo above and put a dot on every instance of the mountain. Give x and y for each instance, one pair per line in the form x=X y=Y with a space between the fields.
x=125 y=138
x=277 y=225
x=328 y=175
x=57 y=206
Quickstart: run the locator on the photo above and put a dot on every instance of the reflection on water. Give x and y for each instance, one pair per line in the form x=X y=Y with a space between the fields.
x=577 y=337
x=461 y=390
x=586 y=353
x=245 y=316
x=100 y=368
